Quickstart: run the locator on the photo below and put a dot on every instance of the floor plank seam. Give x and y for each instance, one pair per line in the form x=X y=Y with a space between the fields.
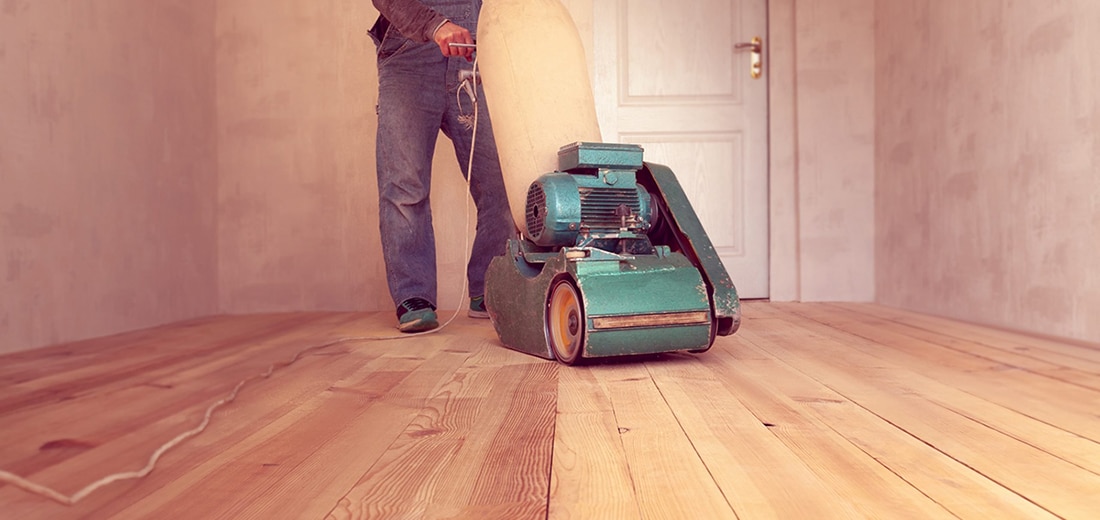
x=963 y=463
x=1015 y=437
x=907 y=326
x=381 y=454
x=987 y=342
x=691 y=441
x=886 y=466
x=905 y=431
x=839 y=331
x=622 y=445
x=550 y=467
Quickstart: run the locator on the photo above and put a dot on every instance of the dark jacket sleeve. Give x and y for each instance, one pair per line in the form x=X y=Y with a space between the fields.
x=415 y=20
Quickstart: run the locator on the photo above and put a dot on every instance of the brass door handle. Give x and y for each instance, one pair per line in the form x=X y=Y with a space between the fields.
x=756 y=61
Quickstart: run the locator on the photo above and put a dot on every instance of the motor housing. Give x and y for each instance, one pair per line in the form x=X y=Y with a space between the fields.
x=573 y=209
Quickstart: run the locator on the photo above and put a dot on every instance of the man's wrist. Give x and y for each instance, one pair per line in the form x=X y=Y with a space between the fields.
x=441 y=24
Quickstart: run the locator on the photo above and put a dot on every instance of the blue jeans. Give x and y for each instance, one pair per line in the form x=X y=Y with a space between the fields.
x=416 y=99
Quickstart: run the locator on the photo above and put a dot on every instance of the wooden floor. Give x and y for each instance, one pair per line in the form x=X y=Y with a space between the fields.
x=810 y=411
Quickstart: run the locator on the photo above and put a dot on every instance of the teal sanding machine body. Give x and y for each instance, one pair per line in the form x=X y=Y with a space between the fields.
x=614 y=263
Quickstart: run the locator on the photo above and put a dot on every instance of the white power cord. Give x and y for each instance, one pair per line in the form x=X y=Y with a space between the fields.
x=468 y=85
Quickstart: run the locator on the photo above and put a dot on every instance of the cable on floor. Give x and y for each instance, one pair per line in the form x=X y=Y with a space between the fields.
x=467 y=86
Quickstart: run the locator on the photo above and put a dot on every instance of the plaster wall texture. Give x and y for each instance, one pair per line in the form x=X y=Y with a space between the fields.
x=107 y=167
x=297 y=192
x=834 y=154
x=987 y=161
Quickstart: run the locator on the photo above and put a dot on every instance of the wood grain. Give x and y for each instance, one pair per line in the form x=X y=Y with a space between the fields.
x=810 y=411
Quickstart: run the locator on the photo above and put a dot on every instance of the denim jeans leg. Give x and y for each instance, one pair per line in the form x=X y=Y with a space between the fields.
x=411 y=102
x=494 y=218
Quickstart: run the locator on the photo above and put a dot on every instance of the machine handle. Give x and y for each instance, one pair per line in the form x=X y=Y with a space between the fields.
x=756 y=63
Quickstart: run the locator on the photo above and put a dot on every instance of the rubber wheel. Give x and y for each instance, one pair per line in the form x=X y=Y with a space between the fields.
x=565 y=322
x=713 y=334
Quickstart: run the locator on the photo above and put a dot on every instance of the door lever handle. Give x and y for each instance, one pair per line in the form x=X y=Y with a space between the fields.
x=756 y=63
x=754 y=45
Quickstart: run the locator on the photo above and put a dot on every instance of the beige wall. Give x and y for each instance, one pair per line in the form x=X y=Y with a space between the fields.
x=822 y=176
x=988 y=162
x=297 y=195
x=107 y=169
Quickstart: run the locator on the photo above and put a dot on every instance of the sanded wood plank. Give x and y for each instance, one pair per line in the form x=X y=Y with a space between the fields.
x=110 y=410
x=139 y=444
x=878 y=386
x=1084 y=356
x=810 y=411
x=28 y=365
x=1068 y=431
x=1028 y=360
x=435 y=467
x=138 y=435
x=1016 y=381
x=760 y=475
x=179 y=357
x=101 y=370
x=305 y=460
x=670 y=479
x=859 y=479
x=590 y=477
x=954 y=486
x=507 y=455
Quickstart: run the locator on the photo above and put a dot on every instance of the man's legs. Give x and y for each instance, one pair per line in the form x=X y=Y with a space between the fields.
x=494 y=218
x=411 y=103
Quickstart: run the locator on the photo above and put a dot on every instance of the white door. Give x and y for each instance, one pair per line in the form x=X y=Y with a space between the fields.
x=668 y=76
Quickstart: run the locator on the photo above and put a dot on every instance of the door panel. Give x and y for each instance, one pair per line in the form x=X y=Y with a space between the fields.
x=654 y=29
x=666 y=76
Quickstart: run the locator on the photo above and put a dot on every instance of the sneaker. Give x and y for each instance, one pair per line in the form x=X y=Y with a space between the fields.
x=477 y=308
x=416 y=315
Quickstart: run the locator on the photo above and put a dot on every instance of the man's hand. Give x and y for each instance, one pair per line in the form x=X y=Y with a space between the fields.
x=449 y=33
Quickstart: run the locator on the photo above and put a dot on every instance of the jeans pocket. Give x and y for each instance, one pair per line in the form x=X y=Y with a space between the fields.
x=378 y=31
x=392 y=46
x=387 y=40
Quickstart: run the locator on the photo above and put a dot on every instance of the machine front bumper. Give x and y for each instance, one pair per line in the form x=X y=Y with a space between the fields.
x=631 y=304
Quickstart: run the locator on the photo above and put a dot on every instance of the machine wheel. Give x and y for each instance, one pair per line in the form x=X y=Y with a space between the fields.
x=713 y=334
x=565 y=322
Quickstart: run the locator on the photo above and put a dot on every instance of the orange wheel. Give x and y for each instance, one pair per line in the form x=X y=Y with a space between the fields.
x=565 y=321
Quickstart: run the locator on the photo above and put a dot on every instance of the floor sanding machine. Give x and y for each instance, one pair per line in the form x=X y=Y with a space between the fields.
x=614 y=262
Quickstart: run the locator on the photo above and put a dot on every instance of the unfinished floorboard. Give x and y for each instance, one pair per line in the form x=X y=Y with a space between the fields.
x=670 y=479
x=480 y=446
x=284 y=394
x=809 y=411
x=995 y=352
x=265 y=472
x=105 y=412
x=1065 y=352
x=860 y=481
x=987 y=394
x=954 y=486
x=590 y=475
x=758 y=473
x=887 y=390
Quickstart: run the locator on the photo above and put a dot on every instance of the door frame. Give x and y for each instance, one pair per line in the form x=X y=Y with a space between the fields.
x=784 y=256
